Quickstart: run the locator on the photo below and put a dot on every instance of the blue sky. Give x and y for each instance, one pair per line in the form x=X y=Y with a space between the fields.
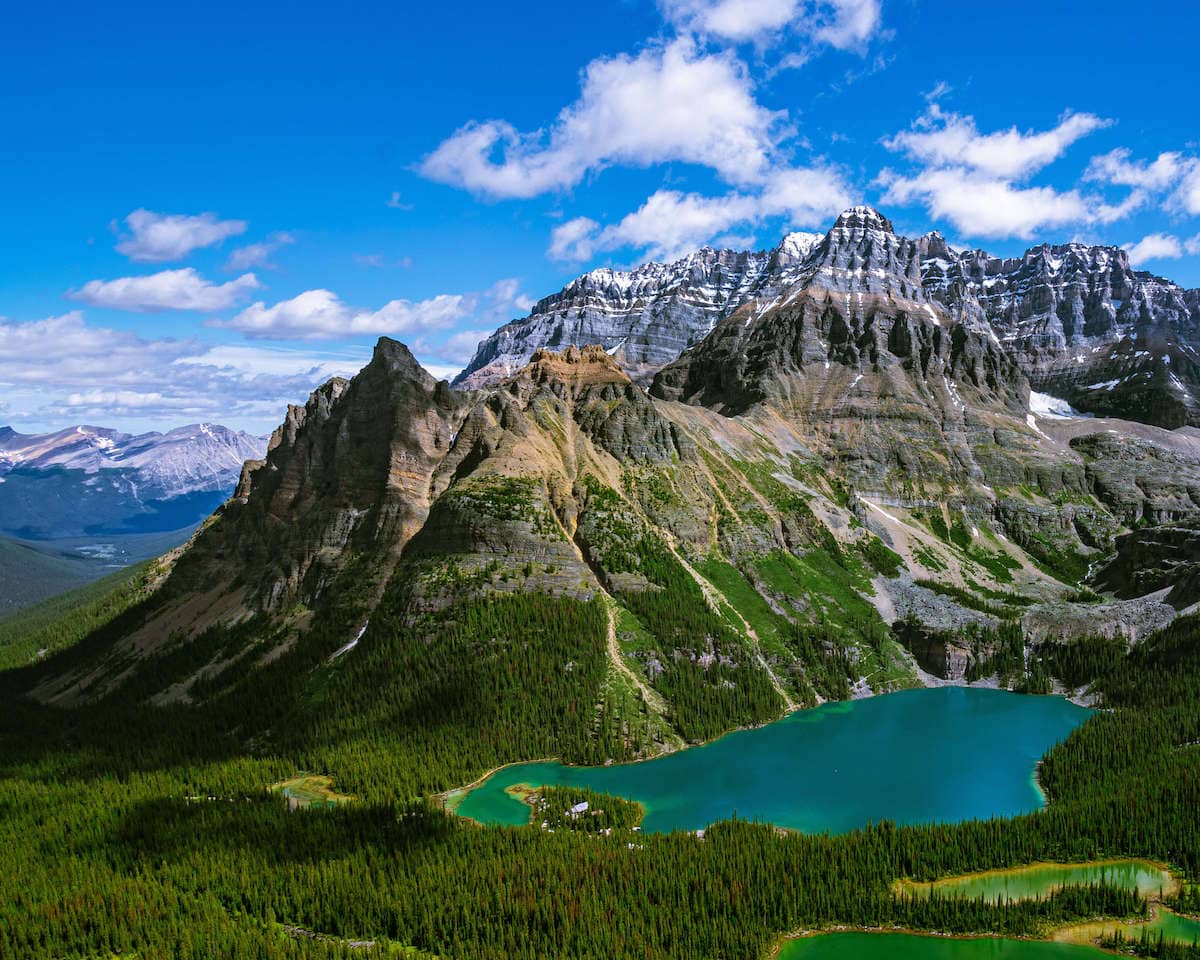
x=210 y=209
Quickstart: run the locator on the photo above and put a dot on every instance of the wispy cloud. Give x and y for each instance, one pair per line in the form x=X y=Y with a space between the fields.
x=161 y=237
x=258 y=254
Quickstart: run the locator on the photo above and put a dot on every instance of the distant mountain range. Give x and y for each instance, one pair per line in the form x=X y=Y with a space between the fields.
x=89 y=481
x=1078 y=321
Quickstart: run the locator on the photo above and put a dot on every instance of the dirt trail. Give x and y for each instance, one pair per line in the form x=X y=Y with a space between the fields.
x=652 y=697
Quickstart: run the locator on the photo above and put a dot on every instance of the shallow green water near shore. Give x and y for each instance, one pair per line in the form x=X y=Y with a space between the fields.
x=906 y=946
x=918 y=756
x=1038 y=881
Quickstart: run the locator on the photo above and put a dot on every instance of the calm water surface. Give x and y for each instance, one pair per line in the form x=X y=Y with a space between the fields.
x=1030 y=882
x=918 y=756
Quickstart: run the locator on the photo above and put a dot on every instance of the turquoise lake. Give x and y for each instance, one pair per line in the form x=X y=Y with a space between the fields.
x=918 y=756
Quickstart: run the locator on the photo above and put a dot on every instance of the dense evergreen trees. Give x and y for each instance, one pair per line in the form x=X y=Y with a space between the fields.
x=147 y=831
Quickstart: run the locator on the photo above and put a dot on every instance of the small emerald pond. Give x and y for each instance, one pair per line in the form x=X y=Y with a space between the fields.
x=1039 y=880
x=917 y=756
x=903 y=946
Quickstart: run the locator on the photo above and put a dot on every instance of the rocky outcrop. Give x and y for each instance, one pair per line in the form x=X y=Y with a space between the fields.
x=853 y=347
x=346 y=475
x=1158 y=558
x=1082 y=324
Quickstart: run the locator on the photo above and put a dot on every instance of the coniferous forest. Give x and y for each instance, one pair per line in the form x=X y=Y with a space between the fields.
x=150 y=831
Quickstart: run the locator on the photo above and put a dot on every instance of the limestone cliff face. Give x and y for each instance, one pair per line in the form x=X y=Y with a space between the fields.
x=1083 y=325
x=1078 y=321
x=347 y=474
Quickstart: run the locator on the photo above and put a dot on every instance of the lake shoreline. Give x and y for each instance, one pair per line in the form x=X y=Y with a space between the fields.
x=827 y=753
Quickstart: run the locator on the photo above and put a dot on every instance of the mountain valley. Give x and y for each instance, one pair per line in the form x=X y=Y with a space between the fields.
x=859 y=464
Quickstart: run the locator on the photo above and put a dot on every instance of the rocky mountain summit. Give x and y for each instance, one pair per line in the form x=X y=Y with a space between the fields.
x=1078 y=322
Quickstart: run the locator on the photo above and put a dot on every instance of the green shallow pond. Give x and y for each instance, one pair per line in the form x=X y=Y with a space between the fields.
x=904 y=946
x=1171 y=925
x=917 y=756
x=1042 y=879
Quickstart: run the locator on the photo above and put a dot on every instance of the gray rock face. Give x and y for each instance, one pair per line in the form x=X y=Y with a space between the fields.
x=1154 y=559
x=644 y=318
x=1083 y=325
x=853 y=346
x=1078 y=321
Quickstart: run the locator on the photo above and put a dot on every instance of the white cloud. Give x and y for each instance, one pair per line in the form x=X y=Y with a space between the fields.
x=978 y=181
x=258 y=254
x=845 y=24
x=322 y=315
x=671 y=102
x=65 y=351
x=460 y=347
x=181 y=289
x=849 y=23
x=1155 y=246
x=946 y=139
x=1116 y=168
x=248 y=361
x=979 y=205
x=1186 y=197
x=671 y=223
x=573 y=240
x=159 y=237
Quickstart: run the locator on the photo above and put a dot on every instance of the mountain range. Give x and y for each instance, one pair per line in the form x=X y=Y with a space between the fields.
x=92 y=481
x=851 y=449
x=78 y=503
x=1078 y=320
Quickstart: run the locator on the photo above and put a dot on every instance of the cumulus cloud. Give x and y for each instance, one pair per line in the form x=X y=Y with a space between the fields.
x=845 y=24
x=979 y=205
x=979 y=181
x=939 y=138
x=1170 y=173
x=671 y=102
x=1116 y=167
x=460 y=347
x=258 y=254
x=1161 y=246
x=181 y=289
x=671 y=223
x=160 y=237
x=322 y=315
